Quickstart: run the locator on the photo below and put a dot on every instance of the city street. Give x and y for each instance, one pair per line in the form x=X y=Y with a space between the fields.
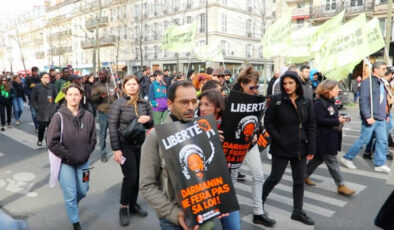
x=25 y=193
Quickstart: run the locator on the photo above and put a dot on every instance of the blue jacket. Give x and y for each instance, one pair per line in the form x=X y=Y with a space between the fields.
x=158 y=96
x=379 y=109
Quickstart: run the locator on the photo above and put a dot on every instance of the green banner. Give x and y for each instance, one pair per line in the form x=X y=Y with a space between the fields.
x=325 y=31
x=276 y=39
x=375 y=38
x=299 y=51
x=212 y=52
x=347 y=45
x=179 y=38
x=340 y=73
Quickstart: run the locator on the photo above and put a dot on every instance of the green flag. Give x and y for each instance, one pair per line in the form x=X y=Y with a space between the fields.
x=276 y=39
x=179 y=38
x=340 y=73
x=299 y=51
x=61 y=95
x=347 y=45
x=375 y=38
x=325 y=31
x=212 y=52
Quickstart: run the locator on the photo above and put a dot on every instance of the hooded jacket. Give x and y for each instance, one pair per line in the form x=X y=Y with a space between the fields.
x=43 y=101
x=158 y=96
x=292 y=129
x=79 y=136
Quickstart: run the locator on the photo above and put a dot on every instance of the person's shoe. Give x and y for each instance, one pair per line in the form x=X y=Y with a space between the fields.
x=77 y=226
x=104 y=158
x=344 y=190
x=39 y=143
x=309 y=182
x=9 y=126
x=264 y=220
x=383 y=168
x=367 y=156
x=389 y=156
x=2 y=128
x=36 y=130
x=240 y=177
x=17 y=123
x=124 y=216
x=347 y=163
x=137 y=210
x=302 y=217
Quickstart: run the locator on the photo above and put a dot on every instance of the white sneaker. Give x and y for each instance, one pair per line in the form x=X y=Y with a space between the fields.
x=383 y=168
x=347 y=163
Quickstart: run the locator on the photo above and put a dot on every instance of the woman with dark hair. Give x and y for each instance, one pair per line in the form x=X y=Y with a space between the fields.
x=6 y=96
x=328 y=135
x=18 y=99
x=128 y=152
x=72 y=137
x=290 y=121
x=88 y=86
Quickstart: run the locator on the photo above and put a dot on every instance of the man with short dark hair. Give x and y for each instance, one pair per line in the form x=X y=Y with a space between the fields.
x=306 y=81
x=271 y=82
x=166 y=77
x=52 y=75
x=145 y=82
x=60 y=83
x=103 y=94
x=373 y=120
x=31 y=82
x=182 y=103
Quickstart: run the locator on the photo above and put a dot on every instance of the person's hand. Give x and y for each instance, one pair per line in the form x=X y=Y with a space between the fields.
x=182 y=222
x=342 y=119
x=143 y=119
x=309 y=157
x=222 y=215
x=117 y=90
x=118 y=156
x=103 y=94
x=370 y=121
x=221 y=135
x=255 y=138
x=387 y=120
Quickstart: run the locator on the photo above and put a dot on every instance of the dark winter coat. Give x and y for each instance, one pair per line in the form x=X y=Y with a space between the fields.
x=385 y=219
x=43 y=101
x=327 y=138
x=88 y=91
x=292 y=129
x=79 y=136
x=120 y=116
x=19 y=90
x=30 y=83
x=270 y=85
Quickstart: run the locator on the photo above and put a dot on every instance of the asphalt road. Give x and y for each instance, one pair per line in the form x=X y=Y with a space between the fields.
x=25 y=193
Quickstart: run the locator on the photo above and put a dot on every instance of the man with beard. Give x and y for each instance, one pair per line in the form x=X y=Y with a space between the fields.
x=103 y=94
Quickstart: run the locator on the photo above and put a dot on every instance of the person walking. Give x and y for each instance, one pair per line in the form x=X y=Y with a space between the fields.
x=31 y=82
x=328 y=135
x=43 y=101
x=6 y=96
x=290 y=121
x=122 y=112
x=372 y=121
x=19 y=98
x=103 y=94
x=158 y=98
x=88 y=86
x=73 y=144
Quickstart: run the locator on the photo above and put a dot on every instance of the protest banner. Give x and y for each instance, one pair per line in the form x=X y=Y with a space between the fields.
x=277 y=37
x=263 y=140
x=340 y=73
x=347 y=45
x=212 y=52
x=241 y=119
x=179 y=38
x=374 y=35
x=325 y=31
x=197 y=168
x=299 y=51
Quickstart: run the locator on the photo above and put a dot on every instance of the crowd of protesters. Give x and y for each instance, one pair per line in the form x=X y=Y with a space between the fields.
x=302 y=119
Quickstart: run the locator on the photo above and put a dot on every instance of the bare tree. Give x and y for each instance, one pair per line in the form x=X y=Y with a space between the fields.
x=17 y=39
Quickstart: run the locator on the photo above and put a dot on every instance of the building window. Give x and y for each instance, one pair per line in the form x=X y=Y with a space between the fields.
x=188 y=19
x=248 y=50
x=166 y=25
x=224 y=47
x=248 y=28
x=300 y=5
x=156 y=31
x=224 y=23
x=356 y=2
x=125 y=32
x=331 y=5
x=136 y=11
x=202 y=28
x=188 y=4
x=273 y=14
x=300 y=22
x=224 y=2
x=382 y=25
x=249 y=5
x=260 y=51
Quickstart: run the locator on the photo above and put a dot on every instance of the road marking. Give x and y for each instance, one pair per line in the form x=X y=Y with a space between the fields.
x=22 y=137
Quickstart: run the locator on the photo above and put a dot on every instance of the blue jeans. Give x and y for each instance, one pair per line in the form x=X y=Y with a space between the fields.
x=167 y=225
x=34 y=116
x=370 y=148
x=356 y=96
x=231 y=222
x=379 y=129
x=74 y=189
x=103 y=123
x=17 y=102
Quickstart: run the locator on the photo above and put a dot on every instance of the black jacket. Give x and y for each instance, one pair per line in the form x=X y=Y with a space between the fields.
x=327 y=138
x=144 y=84
x=270 y=84
x=88 y=91
x=19 y=90
x=121 y=114
x=292 y=129
x=43 y=101
x=30 y=83
x=79 y=136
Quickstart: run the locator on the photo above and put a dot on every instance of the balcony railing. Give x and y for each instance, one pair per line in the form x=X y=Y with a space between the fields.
x=60 y=50
x=57 y=35
x=104 y=41
x=92 y=23
x=332 y=9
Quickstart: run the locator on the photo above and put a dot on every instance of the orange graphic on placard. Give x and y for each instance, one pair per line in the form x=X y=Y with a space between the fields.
x=196 y=165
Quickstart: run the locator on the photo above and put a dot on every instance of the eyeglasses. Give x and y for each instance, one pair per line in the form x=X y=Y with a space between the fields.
x=253 y=87
x=185 y=103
